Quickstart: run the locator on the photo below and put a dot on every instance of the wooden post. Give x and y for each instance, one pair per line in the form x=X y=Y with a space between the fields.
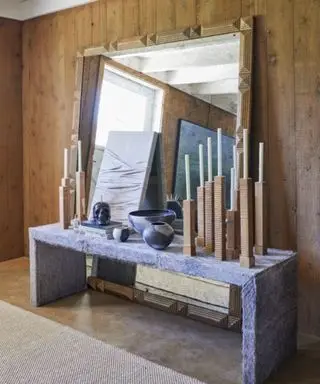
x=237 y=219
x=201 y=216
x=189 y=221
x=247 y=259
x=219 y=218
x=80 y=196
x=232 y=252
x=64 y=203
x=209 y=217
x=260 y=219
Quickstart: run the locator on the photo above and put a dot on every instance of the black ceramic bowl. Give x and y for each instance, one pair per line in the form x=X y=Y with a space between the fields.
x=141 y=219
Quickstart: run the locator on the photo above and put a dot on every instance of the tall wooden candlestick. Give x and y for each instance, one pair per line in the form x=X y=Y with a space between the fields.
x=260 y=209
x=219 y=218
x=189 y=221
x=247 y=259
x=65 y=195
x=232 y=225
x=209 y=217
x=201 y=202
x=80 y=187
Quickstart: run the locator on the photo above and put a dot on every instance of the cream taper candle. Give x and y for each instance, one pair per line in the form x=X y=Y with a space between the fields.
x=245 y=154
x=188 y=186
x=66 y=163
x=209 y=144
x=219 y=151
x=261 y=149
x=232 y=189
x=201 y=165
x=79 y=156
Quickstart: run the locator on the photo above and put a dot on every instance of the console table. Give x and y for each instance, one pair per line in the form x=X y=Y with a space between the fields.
x=269 y=291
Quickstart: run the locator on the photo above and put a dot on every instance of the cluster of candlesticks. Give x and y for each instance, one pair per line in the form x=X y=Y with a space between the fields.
x=229 y=234
x=66 y=192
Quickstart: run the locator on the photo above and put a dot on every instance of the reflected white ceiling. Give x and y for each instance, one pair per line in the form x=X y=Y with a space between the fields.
x=207 y=69
x=27 y=9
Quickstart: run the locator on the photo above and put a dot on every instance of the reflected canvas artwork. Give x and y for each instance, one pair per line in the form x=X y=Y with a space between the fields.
x=190 y=135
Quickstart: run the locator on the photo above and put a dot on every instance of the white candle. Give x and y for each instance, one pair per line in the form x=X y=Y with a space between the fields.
x=219 y=152
x=232 y=189
x=188 y=187
x=261 y=149
x=79 y=156
x=245 y=154
x=66 y=165
x=201 y=166
x=235 y=157
x=209 y=144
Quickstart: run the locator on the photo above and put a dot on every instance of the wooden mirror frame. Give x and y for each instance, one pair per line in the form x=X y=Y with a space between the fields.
x=89 y=77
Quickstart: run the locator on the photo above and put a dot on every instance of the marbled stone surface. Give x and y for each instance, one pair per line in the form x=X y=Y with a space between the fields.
x=269 y=290
x=172 y=259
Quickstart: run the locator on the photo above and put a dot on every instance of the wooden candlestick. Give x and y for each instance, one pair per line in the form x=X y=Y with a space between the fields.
x=201 y=216
x=219 y=218
x=237 y=219
x=247 y=259
x=189 y=221
x=232 y=250
x=80 y=196
x=64 y=203
x=260 y=218
x=209 y=217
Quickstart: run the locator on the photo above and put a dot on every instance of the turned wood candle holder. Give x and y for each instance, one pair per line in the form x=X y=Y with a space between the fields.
x=247 y=259
x=260 y=218
x=200 y=240
x=189 y=221
x=209 y=217
x=64 y=203
x=232 y=250
x=219 y=218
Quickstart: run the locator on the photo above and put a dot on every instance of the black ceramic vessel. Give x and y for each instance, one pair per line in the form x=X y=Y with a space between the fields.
x=158 y=235
x=141 y=219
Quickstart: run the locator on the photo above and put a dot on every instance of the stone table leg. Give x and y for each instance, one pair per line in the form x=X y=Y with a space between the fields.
x=269 y=322
x=55 y=272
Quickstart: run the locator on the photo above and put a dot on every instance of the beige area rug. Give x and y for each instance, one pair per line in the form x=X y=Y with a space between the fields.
x=36 y=350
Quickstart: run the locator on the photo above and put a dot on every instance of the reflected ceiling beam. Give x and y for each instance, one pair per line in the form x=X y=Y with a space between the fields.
x=212 y=88
x=198 y=57
x=198 y=75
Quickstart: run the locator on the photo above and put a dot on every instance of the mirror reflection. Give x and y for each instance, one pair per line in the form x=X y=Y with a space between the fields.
x=185 y=91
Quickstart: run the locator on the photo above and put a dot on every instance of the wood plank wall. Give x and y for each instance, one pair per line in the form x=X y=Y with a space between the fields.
x=286 y=91
x=11 y=179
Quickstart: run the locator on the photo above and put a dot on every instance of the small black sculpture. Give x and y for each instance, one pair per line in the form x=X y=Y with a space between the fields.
x=101 y=213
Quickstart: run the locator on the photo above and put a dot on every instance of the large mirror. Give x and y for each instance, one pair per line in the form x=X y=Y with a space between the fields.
x=178 y=86
x=182 y=84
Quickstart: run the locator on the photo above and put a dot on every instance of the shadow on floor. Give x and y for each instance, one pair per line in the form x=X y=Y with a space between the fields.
x=304 y=368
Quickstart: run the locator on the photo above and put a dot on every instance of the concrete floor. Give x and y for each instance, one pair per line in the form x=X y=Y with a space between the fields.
x=195 y=349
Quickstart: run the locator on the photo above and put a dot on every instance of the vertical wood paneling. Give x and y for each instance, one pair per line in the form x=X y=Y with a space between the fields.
x=286 y=92
x=130 y=18
x=209 y=11
x=307 y=109
x=114 y=11
x=147 y=16
x=281 y=174
x=11 y=203
x=166 y=15
x=185 y=13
